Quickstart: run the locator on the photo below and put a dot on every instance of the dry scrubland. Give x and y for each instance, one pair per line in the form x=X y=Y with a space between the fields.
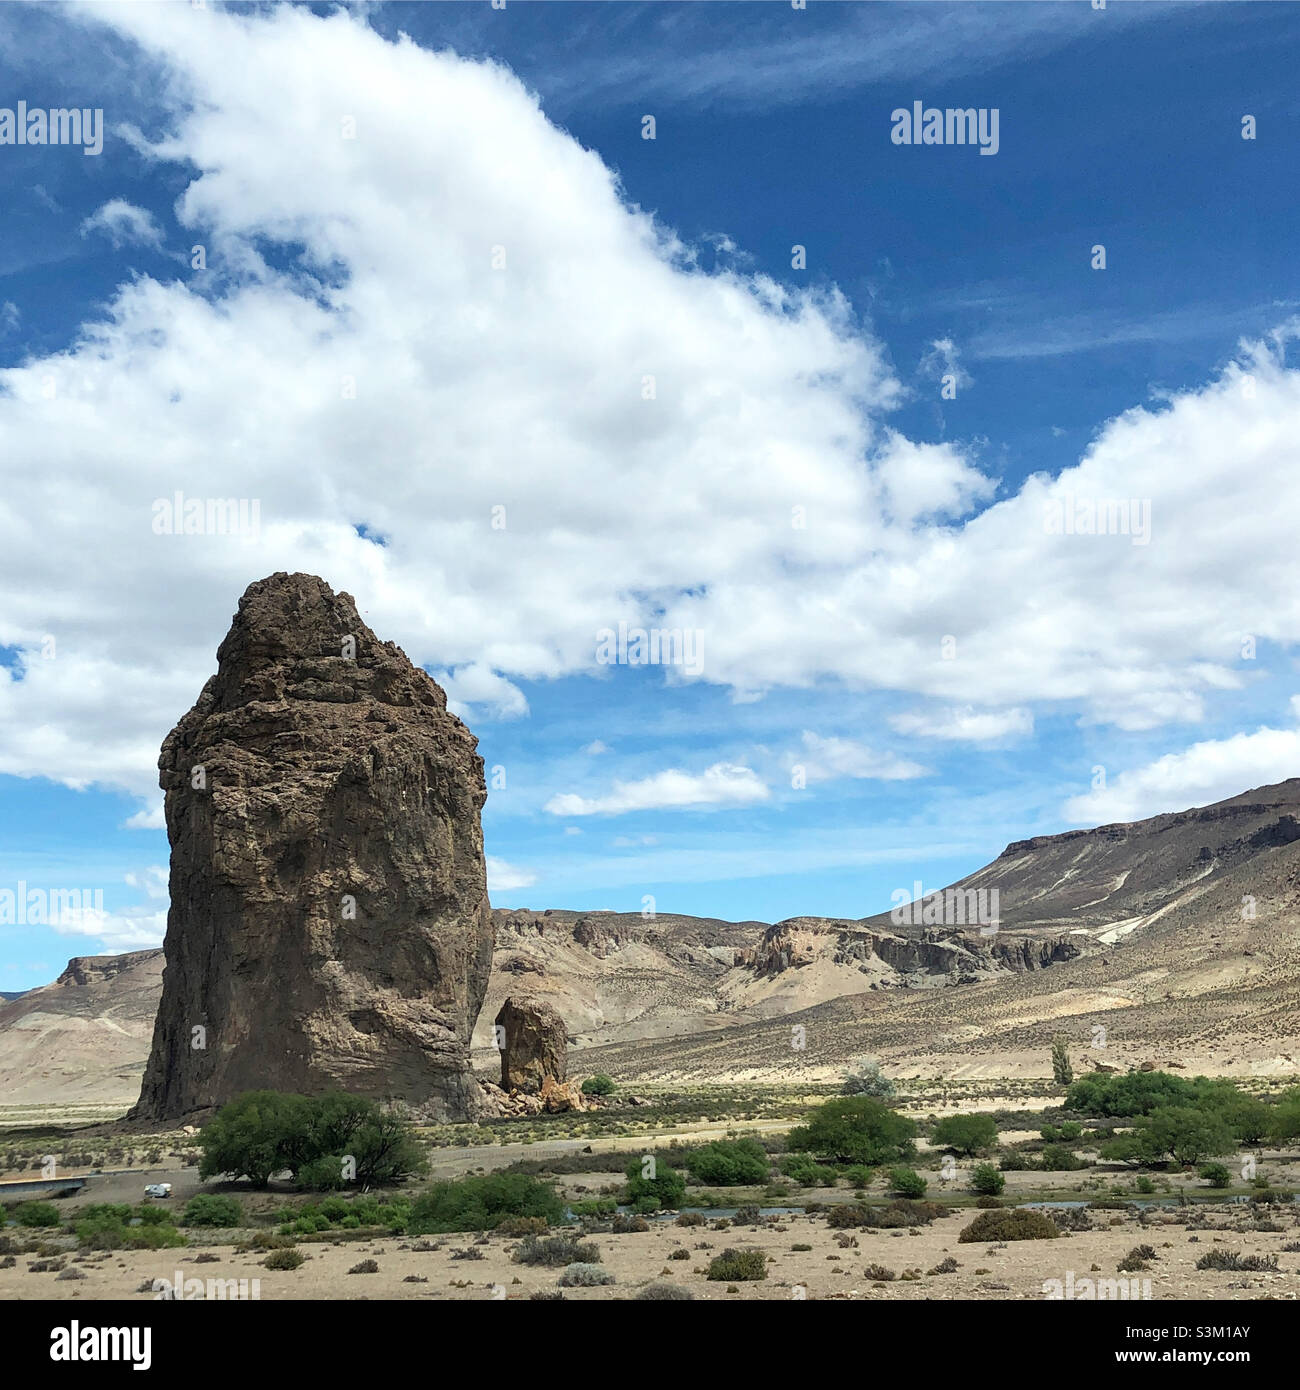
x=584 y=1156
x=827 y=1270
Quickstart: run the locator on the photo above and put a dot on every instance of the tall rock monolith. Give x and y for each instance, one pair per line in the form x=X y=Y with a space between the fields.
x=329 y=923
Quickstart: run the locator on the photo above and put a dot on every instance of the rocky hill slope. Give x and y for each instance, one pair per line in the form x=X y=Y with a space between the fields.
x=1139 y=937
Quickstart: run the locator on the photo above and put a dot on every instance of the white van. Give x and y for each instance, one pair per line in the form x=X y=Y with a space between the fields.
x=158 y=1189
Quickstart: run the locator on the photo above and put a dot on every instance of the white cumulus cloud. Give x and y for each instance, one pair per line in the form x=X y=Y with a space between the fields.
x=723 y=784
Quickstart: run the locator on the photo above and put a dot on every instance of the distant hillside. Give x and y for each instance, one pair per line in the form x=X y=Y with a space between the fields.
x=1142 y=930
x=86 y=1036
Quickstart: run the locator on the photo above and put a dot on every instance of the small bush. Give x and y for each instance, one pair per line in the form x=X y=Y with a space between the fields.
x=1230 y=1260
x=665 y=1189
x=556 y=1250
x=907 y=1183
x=365 y=1267
x=729 y=1163
x=664 y=1293
x=581 y=1276
x=37 y=1214
x=629 y=1225
x=598 y=1085
x=283 y=1259
x=1008 y=1223
x=864 y=1078
x=738 y=1266
x=521 y=1226
x=901 y=1212
x=985 y=1178
x=682 y=1253
x=879 y=1273
x=690 y=1218
x=212 y=1209
x=483 y=1203
x=806 y=1171
x=945 y=1266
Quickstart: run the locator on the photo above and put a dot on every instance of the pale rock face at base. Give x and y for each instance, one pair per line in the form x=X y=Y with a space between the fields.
x=329 y=922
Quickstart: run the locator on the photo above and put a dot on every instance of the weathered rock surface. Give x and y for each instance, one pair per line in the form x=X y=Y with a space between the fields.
x=534 y=1045
x=329 y=922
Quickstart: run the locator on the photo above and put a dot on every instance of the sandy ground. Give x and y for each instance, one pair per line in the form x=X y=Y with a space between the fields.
x=829 y=1270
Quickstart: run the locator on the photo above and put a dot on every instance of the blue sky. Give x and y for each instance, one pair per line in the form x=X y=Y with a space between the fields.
x=1163 y=378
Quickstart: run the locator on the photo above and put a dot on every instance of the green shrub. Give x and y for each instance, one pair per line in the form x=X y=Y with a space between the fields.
x=595 y=1206
x=855 y=1129
x=729 y=1163
x=105 y=1226
x=212 y=1209
x=902 y=1212
x=36 y=1214
x=1215 y=1174
x=1062 y=1070
x=1008 y=1223
x=1230 y=1260
x=556 y=1251
x=581 y=1276
x=986 y=1179
x=151 y=1215
x=738 y=1266
x=482 y=1203
x=284 y=1259
x=1069 y=1131
x=598 y=1085
x=986 y=1199
x=879 y=1273
x=806 y=1171
x=665 y=1189
x=907 y=1183
x=660 y=1292
x=965 y=1134
x=1136 y=1093
x=1060 y=1158
x=858 y=1175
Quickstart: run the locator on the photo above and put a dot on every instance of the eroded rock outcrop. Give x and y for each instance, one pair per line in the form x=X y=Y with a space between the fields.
x=534 y=1045
x=329 y=922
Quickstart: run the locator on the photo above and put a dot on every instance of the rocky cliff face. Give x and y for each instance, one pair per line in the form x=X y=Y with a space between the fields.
x=930 y=957
x=329 y=922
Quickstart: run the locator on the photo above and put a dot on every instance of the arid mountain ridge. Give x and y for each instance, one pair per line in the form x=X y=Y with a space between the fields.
x=1142 y=930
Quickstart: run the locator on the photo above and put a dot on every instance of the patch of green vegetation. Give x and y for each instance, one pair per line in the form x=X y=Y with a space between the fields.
x=1008 y=1223
x=107 y=1226
x=738 y=1266
x=729 y=1162
x=652 y=1185
x=324 y=1141
x=212 y=1209
x=965 y=1134
x=482 y=1203
x=856 y=1129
